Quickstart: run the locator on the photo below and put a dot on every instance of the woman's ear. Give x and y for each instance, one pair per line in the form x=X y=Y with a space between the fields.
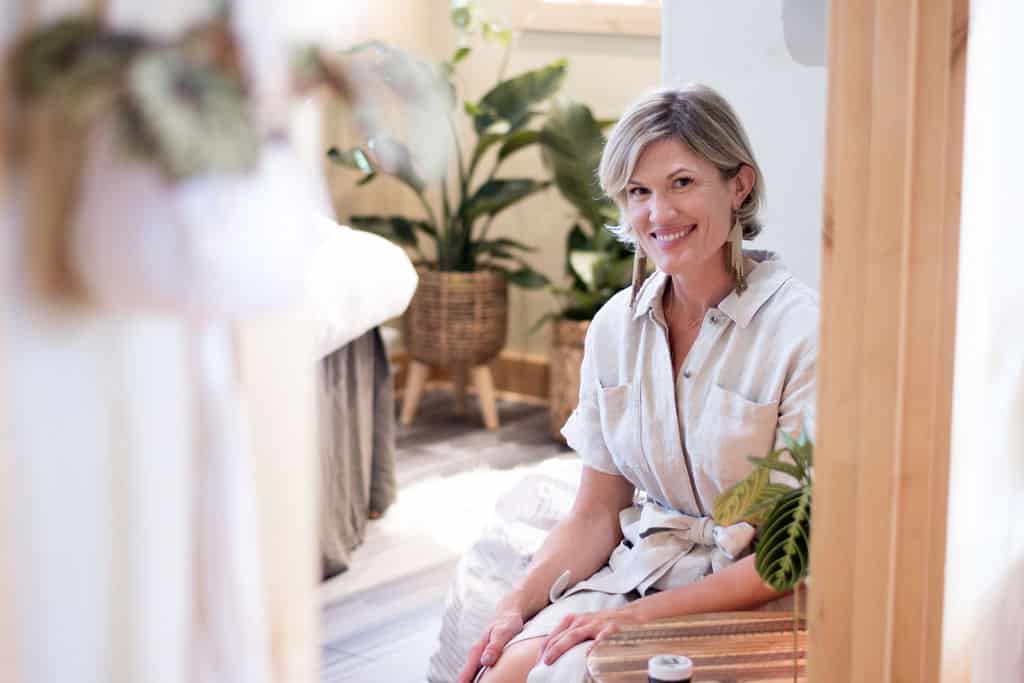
x=743 y=183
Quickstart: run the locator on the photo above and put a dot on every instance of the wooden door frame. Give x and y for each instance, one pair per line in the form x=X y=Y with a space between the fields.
x=889 y=284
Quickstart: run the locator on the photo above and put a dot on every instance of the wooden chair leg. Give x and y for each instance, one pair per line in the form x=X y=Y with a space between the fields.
x=416 y=378
x=485 y=392
x=460 y=377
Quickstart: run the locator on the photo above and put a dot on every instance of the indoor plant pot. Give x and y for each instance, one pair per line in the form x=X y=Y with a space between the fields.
x=566 y=357
x=456 y=319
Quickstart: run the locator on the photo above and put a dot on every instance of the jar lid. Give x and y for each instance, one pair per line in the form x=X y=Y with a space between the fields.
x=669 y=668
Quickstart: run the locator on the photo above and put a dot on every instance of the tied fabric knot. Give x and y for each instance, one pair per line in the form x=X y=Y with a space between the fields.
x=661 y=549
x=731 y=540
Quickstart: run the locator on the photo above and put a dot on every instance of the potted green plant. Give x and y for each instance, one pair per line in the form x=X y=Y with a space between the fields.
x=783 y=514
x=458 y=317
x=597 y=264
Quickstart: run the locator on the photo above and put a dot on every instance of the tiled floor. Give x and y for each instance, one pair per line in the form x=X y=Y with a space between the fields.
x=382 y=616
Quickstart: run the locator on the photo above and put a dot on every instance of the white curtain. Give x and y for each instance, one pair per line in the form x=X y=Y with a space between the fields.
x=984 y=597
x=157 y=480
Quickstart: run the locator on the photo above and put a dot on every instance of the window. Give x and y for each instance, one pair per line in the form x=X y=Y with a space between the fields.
x=622 y=17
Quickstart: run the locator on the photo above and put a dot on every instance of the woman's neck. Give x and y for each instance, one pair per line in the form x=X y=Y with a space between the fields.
x=702 y=288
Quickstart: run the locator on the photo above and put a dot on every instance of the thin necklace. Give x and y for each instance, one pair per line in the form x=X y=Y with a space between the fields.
x=670 y=307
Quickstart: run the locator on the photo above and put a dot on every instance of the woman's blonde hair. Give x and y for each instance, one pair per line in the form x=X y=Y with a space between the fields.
x=704 y=121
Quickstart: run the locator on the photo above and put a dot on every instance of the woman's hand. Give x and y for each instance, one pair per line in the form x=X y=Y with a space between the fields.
x=576 y=628
x=507 y=623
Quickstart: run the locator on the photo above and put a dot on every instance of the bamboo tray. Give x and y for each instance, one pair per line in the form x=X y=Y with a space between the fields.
x=724 y=647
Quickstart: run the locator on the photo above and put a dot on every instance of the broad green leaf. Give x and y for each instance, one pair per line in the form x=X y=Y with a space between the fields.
x=73 y=55
x=353 y=158
x=472 y=108
x=783 y=550
x=794 y=471
x=788 y=440
x=501 y=248
x=577 y=240
x=504 y=243
x=516 y=141
x=484 y=143
x=526 y=278
x=498 y=194
x=541 y=321
x=732 y=505
x=460 y=54
x=582 y=264
x=462 y=17
x=396 y=228
x=512 y=100
x=393 y=158
x=613 y=271
x=770 y=495
x=492 y=30
x=572 y=142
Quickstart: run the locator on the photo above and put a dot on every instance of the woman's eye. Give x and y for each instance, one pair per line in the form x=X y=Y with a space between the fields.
x=682 y=182
x=637 y=191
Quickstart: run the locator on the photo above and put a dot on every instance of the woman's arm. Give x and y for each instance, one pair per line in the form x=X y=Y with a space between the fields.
x=581 y=544
x=737 y=587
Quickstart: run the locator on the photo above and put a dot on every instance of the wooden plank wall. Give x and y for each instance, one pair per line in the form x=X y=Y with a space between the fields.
x=889 y=264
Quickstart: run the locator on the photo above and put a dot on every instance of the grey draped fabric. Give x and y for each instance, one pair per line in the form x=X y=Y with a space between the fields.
x=357 y=445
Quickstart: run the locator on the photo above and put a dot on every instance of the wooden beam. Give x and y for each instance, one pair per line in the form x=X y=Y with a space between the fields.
x=8 y=634
x=885 y=371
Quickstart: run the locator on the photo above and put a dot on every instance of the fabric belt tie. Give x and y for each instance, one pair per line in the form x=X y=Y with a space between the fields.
x=661 y=549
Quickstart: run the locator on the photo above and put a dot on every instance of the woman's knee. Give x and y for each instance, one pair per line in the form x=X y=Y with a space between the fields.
x=515 y=662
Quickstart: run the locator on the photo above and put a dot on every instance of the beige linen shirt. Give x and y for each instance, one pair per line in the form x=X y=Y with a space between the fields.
x=749 y=374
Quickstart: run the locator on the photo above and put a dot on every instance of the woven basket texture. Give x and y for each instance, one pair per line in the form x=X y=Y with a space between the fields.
x=456 y=318
x=566 y=358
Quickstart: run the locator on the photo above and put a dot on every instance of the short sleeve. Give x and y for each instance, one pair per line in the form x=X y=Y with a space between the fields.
x=799 y=396
x=582 y=431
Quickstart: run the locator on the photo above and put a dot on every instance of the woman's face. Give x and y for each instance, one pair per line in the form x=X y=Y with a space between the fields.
x=681 y=208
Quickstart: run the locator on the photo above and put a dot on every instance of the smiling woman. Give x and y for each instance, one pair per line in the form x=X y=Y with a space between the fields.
x=708 y=364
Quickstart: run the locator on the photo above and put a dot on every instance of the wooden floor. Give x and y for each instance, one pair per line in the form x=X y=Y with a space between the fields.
x=382 y=616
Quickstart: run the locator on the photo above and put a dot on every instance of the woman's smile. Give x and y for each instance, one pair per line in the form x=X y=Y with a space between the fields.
x=670 y=237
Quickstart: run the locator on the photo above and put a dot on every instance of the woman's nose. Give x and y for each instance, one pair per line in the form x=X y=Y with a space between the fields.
x=661 y=210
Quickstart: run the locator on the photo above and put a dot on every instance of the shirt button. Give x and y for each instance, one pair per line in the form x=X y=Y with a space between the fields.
x=686 y=374
x=714 y=319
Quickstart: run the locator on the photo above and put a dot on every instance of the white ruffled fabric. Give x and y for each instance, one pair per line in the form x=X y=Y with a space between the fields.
x=355 y=282
x=224 y=247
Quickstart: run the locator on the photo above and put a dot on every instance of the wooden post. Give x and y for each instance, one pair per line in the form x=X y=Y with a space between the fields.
x=8 y=634
x=889 y=273
x=279 y=385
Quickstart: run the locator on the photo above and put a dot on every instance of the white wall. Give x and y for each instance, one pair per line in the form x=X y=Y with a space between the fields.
x=984 y=599
x=739 y=48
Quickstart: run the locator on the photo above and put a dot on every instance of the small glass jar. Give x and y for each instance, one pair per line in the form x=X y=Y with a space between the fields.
x=669 y=669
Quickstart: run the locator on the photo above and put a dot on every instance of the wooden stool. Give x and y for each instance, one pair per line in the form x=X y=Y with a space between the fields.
x=416 y=379
x=728 y=646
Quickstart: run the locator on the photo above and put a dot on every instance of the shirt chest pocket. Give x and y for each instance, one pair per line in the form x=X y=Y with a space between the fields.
x=732 y=428
x=621 y=426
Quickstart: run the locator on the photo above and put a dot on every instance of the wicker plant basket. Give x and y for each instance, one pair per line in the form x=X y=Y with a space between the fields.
x=566 y=357
x=456 y=318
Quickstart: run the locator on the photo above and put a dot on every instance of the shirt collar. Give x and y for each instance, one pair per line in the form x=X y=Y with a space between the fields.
x=763 y=281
